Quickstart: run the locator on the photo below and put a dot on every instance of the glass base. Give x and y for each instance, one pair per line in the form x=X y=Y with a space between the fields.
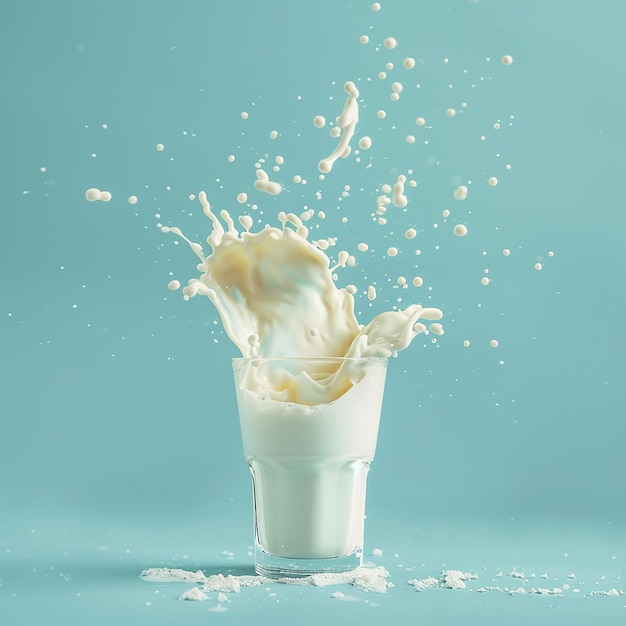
x=272 y=566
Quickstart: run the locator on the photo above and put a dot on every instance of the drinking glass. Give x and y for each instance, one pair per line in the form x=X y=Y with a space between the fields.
x=309 y=430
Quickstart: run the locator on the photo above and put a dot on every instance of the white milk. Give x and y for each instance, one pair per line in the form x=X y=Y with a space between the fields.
x=309 y=463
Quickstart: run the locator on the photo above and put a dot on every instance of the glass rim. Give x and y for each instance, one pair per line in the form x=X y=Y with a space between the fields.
x=311 y=359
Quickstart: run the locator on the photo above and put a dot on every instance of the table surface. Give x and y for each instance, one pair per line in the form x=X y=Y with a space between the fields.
x=87 y=571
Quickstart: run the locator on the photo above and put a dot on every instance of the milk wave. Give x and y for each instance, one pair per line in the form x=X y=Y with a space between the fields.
x=275 y=294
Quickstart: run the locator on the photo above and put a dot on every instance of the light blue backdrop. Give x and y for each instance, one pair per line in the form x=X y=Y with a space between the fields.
x=116 y=405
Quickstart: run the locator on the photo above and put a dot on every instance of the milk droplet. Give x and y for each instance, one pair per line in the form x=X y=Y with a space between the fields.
x=450 y=112
x=381 y=114
x=173 y=285
x=335 y=131
x=242 y=197
x=418 y=281
x=409 y=63
x=493 y=181
x=460 y=193
x=245 y=221
x=371 y=293
x=244 y=115
x=132 y=199
x=382 y=75
x=365 y=143
x=92 y=194
x=395 y=96
x=263 y=183
x=484 y=281
x=397 y=87
x=507 y=59
x=364 y=39
x=401 y=280
x=538 y=266
x=274 y=134
x=411 y=233
x=376 y=6
x=436 y=328
x=399 y=199
x=160 y=147
x=105 y=196
x=392 y=251
x=493 y=343
x=460 y=230
x=550 y=253
x=410 y=138
x=420 y=121
x=363 y=247
x=231 y=158
x=319 y=121
x=466 y=343
x=445 y=213
x=390 y=43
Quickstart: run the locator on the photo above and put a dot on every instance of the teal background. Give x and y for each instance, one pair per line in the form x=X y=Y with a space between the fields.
x=119 y=441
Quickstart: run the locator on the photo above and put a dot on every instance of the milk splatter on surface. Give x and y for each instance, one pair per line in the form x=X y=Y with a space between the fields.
x=367 y=578
x=378 y=580
x=194 y=594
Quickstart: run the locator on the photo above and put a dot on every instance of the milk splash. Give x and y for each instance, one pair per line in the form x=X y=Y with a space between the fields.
x=275 y=294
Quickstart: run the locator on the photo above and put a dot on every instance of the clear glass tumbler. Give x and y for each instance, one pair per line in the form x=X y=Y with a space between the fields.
x=309 y=430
